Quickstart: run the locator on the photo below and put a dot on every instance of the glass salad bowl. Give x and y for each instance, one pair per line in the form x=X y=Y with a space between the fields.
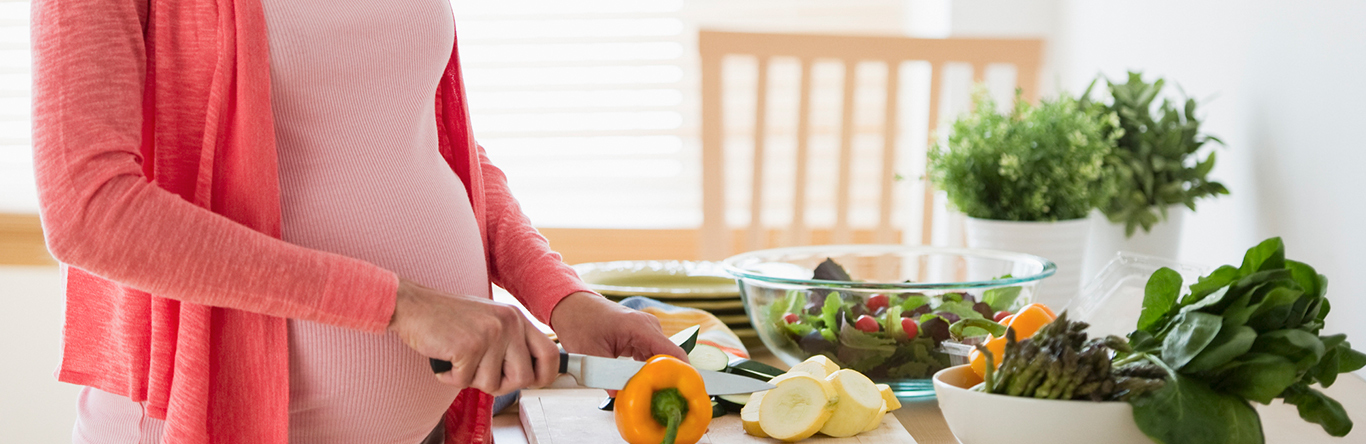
x=861 y=312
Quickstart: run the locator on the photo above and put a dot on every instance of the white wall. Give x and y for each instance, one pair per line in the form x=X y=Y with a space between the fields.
x=34 y=407
x=1282 y=82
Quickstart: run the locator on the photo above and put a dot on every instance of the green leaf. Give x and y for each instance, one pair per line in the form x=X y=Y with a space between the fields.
x=1258 y=377
x=1275 y=309
x=1186 y=411
x=1229 y=344
x=1349 y=360
x=1001 y=299
x=961 y=308
x=1319 y=409
x=1268 y=255
x=1191 y=333
x=830 y=310
x=1299 y=346
x=1306 y=277
x=914 y=301
x=1159 y=295
x=1219 y=278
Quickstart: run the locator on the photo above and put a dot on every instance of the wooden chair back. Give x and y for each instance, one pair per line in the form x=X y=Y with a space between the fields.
x=715 y=239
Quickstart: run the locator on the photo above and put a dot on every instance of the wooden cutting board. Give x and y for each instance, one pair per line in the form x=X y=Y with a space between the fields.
x=571 y=416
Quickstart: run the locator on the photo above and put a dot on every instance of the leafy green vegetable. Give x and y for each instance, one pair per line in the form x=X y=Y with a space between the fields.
x=1269 y=255
x=961 y=308
x=1249 y=333
x=1158 y=296
x=1001 y=299
x=1319 y=409
x=1191 y=333
x=1157 y=154
x=1186 y=410
x=1229 y=344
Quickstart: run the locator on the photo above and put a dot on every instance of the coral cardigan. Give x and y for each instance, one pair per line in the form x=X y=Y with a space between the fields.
x=155 y=157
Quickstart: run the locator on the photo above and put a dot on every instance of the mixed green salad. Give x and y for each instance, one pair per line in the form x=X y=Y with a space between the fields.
x=886 y=335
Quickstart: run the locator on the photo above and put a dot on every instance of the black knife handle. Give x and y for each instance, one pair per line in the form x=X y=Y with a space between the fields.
x=443 y=366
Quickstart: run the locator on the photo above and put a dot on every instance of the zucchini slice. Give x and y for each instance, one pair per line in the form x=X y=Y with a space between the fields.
x=754 y=369
x=734 y=403
x=686 y=338
x=706 y=357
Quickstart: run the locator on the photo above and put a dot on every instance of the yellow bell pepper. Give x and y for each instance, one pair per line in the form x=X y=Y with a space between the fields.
x=664 y=403
x=1026 y=322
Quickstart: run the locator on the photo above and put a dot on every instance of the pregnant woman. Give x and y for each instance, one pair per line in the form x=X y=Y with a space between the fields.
x=271 y=213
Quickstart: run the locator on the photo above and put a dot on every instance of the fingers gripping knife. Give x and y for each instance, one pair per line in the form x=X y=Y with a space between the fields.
x=612 y=374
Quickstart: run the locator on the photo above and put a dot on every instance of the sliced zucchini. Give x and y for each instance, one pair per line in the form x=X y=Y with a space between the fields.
x=818 y=366
x=797 y=407
x=706 y=357
x=889 y=396
x=717 y=410
x=859 y=401
x=753 y=369
x=686 y=338
x=734 y=403
x=749 y=416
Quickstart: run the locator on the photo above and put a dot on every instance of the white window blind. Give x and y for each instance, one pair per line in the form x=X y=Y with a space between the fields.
x=591 y=106
x=18 y=194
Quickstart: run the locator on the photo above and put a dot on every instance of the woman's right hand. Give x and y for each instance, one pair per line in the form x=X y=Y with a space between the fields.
x=491 y=345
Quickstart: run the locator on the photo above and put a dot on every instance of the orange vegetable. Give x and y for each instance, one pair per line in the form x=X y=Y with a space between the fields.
x=1030 y=319
x=665 y=402
x=1026 y=322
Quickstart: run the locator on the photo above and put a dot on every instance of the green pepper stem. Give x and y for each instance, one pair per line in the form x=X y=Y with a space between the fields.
x=668 y=407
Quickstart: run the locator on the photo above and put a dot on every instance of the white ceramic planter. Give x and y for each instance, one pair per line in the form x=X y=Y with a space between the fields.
x=1063 y=242
x=1107 y=240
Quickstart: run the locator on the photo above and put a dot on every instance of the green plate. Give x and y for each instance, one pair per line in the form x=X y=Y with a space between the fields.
x=663 y=280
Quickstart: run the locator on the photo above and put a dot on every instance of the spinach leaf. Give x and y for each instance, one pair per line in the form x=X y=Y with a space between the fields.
x=1192 y=332
x=1186 y=411
x=1268 y=255
x=1001 y=299
x=1258 y=377
x=1349 y=360
x=1229 y=344
x=1159 y=295
x=1319 y=409
x=1306 y=277
x=1275 y=310
x=1220 y=278
x=1299 y=346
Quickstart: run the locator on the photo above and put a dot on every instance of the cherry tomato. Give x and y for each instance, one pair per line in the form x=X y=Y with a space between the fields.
x=877 y=301
x=790 y=318
x=1000 y=315
x=866 y=324
x=912 y=329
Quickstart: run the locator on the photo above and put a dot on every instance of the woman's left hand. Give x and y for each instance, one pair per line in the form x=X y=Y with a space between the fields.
x=592 y=325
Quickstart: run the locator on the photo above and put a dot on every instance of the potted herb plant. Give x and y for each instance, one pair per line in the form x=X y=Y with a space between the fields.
x=1161 y=172
x=1028 y=178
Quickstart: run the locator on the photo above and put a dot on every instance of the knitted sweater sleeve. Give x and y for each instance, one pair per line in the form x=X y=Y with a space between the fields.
x=520 y=258
x=102 y=214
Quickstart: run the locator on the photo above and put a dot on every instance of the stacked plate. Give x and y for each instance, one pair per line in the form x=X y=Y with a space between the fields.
x=700 y=285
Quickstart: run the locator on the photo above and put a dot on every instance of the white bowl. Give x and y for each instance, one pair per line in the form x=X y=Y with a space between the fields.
x=984 y=418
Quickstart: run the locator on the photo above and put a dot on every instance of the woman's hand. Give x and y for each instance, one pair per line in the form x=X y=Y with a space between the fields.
x=592 y=325
x=491 y=346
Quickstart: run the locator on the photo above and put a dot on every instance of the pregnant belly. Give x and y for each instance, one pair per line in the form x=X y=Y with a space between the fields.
x=348 y=386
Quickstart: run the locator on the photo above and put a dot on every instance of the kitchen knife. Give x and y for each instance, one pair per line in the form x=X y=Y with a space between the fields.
x=612 y=374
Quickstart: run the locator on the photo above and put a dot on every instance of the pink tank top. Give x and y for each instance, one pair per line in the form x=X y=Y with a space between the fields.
x=360 y=175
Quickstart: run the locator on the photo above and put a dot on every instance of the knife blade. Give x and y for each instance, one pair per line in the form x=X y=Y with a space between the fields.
x=612 y=374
